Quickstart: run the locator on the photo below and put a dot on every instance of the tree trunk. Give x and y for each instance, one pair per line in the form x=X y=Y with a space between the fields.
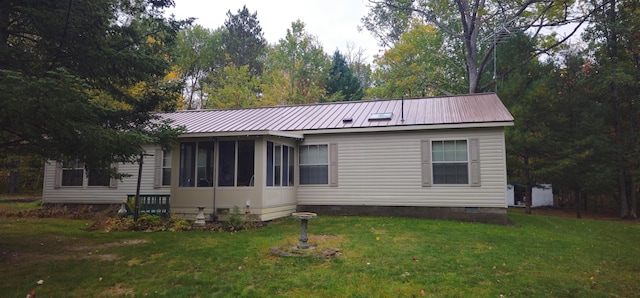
x=14 y=181
x=578 y=202
x=612 y=47
x=528 y=185
x=633 y=208
x=529 y=198
x=5 y=7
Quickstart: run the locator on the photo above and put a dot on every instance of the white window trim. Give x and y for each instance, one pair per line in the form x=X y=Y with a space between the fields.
x=332 y=165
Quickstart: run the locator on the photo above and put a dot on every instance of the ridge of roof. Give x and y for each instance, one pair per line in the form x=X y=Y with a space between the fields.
x=332 y=103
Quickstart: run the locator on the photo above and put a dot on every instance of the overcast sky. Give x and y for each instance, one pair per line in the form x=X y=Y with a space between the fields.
x=334 y=22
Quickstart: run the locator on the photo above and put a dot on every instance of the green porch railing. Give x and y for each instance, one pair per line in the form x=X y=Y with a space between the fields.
x=151 y=204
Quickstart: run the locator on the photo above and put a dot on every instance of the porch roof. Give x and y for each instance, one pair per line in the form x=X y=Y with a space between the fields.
x=463 y=110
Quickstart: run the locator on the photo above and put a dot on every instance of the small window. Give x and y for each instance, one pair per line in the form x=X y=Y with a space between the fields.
x=166 y=168
x=72 y=173
x=450 y=162
x=280 y=163
x=314 y=164
x=98 y=177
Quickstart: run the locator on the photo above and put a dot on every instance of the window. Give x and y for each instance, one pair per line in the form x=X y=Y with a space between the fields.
x=72 y=173
x=190 y=171
x=314 y=164
x=98 y=178
x=166 y=168
x=280 y=165
x=236 y=163
x=450 y=162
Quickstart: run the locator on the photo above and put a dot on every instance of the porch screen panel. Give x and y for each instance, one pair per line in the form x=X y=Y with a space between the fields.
x=205 y=164
x=246 y=160
x=285 y=165
x=291 y=166
x=226 y=163
x=277 y=164
x=187 y=164
x=269 y=164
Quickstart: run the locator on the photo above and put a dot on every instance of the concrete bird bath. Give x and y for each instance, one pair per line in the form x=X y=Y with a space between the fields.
x=304 y=217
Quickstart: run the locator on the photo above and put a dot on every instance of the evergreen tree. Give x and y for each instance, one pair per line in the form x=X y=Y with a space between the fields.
x=342 y=84
x=80 y=78
x=243 y=40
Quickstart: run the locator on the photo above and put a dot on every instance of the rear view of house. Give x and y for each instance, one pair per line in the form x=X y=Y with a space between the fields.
x=438 y=157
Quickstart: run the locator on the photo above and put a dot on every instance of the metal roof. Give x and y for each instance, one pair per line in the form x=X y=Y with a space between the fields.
x=462 y=109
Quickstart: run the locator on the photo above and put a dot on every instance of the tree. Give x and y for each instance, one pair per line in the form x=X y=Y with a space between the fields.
x=243 y=41
x=580 y=161
x=67 y=71
x=418 y=65
x=616 y=44
x=298 y=61
x=234 y=88
x=342 y=84
x=198 y=52
x=473 y=28
x=529 y=94
x=360 y=67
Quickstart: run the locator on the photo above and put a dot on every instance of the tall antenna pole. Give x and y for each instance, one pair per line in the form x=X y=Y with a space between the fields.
x=495 y=59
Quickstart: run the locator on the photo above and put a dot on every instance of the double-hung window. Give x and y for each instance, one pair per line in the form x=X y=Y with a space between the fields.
x=166 y=168
x=314 y=164
x=98 y=177
x=450 y=162
x=280 y=165
x=72 y=173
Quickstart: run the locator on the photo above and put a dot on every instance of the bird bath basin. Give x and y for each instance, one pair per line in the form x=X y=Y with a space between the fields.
x=304 y=217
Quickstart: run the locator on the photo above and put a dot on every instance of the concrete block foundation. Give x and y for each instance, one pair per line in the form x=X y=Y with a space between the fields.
x=469 y=214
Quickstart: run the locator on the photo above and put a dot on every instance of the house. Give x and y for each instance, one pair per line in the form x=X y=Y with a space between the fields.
x=441 y=157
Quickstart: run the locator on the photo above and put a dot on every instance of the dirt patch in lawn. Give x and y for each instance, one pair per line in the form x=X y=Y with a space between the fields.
x=70 y=211
x=69 y=252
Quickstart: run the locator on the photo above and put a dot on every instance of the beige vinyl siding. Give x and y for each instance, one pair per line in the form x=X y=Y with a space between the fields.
x=103 y=194
x=385 y=169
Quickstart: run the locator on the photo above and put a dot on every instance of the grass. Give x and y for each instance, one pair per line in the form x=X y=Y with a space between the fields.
x=20 y=202
x=381 y=257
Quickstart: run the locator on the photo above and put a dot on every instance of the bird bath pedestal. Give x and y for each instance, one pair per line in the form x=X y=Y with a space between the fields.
x=304 y=217
x=200 y=222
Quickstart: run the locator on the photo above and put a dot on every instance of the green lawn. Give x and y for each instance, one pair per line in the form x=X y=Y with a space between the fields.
x=20 y=202
x=381 y=257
